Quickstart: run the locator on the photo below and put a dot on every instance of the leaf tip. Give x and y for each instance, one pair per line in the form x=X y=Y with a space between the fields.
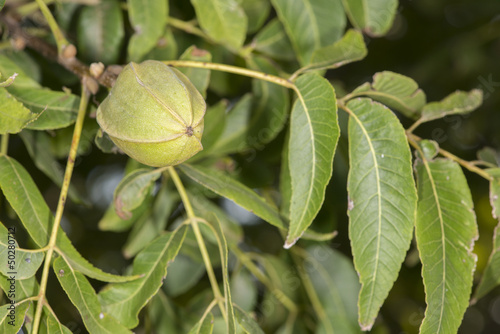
x=289 y=243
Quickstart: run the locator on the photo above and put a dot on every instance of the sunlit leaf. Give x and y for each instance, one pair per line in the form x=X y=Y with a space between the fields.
x=125 y=300
x=133 y=189
x=273 y=41
x=148 y=19
x=83 y=296
x=8 y=67
x=346 y=50
x=25 y=288
x=396 y=91
x=336 y=285
x=456 y=103
x=14 y=116
x=26 y=200
x=311 y=25
x=14 y=260
x=382 y=201
x=314 y=134
x=199 y=77
x=445 y=231
x=101 y=31
x=57 y=109
x=491 y=274
x=227 y=187
x=223 y=20
x=374 y=17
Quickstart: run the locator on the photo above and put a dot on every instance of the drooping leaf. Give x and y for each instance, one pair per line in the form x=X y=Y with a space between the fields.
x=36 y=217
x=125 y=300
x=14 y=260
x=273 y=41
x=336 y=285
x=14 y=116
x=445 y=231
x=456 y=103
x=314 y=133
x=311 y=25
x=198 y=76
x=234 y=135
x=49 y=324
x=491 y=274
x=38 y=146
x=223 y=20
x=57 y=109
x=12 y=316
x=227 y=187
x=133 y=189
x=374 y=17
x=148 y=19
x=100 y=32
x=382 y=201
x=270 y=107
x=257 y=12
x=344 y=51
x=204 y=326
x=83 y=296
x=246 y=322
x=396 y=91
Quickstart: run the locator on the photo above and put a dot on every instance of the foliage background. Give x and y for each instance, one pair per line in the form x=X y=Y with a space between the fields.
x=442 y=45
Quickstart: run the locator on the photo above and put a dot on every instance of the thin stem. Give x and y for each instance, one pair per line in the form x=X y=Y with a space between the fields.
x=61 y=41
x=5 y=144
x=233 y=69
x=414 y=125
x=60 y=206
x=188 y=27
x=413 y=139
x=199 y=238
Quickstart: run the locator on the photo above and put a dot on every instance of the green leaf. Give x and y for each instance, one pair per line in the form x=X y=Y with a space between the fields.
x=165 y=48
x=38 y=146
x=26 y=200
x=100 y=32
x=270 y=106
x=221 y=241
x=314 y=133
x=273 y=41
x=162 y=314
x=227 y=187
x=152 y=223
x=133 y=190
x=57 y=109
x=8 y=67
x=374 y=17
x=14 y=260
x=257 y=12
x=25 y=288
x=198 y=76
x=491 y=274
x=223 y=20
x=12 y=316
x=148 y=19
x=396 y=91
x=445 y=231
x=311 y=25
x=83 y=296
x=204 y=326
x=104 y=143
x=233 y=138
x=429 y=148
x=336 y=286
x=14 y=116
x=248 y=324
x=285 y=180
x=382 y=201
x=49 y=324
x=125 y=300
x=489 y=155
x=184 y=274
x=344 y=51
x=456 y=103
x=243 y=290
x=215 y=121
